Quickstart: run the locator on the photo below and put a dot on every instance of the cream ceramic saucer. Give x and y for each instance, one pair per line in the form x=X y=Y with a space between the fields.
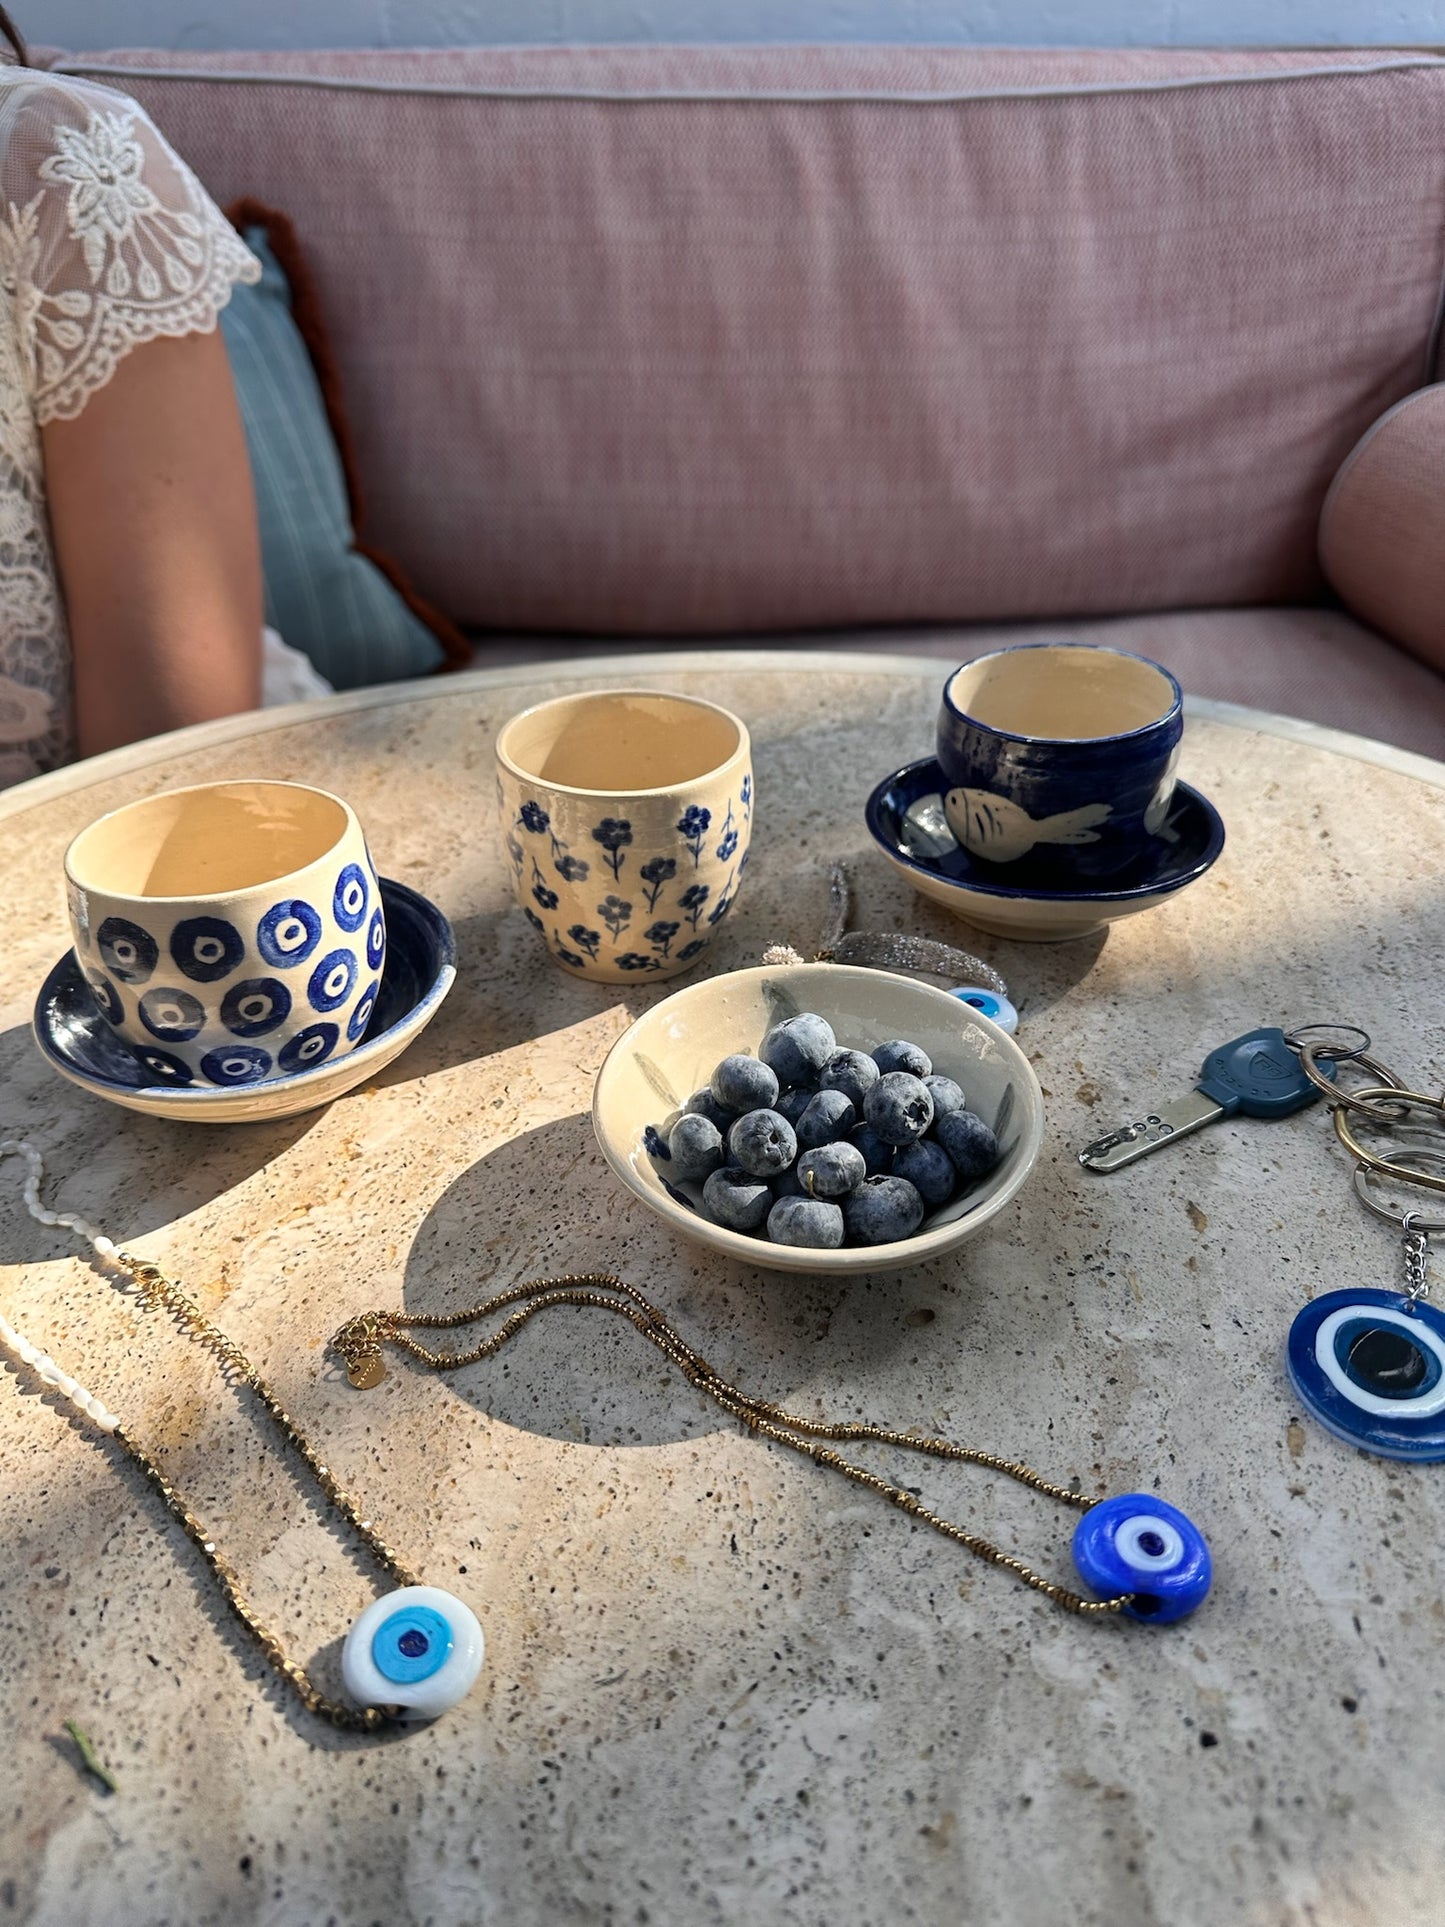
x=905 y=816
x=420 y=969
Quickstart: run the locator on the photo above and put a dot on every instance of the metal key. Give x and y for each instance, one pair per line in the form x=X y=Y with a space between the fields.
x=1258 y=1075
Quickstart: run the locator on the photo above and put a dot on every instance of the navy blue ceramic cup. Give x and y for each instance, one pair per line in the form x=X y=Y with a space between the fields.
x=1059 y=758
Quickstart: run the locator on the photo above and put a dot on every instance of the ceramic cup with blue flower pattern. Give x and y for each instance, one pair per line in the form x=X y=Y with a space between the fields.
x=626 y=815
x=230 y=933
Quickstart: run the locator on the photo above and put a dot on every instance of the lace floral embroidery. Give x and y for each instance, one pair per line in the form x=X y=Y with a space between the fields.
x=107 y=240
x=155 y=266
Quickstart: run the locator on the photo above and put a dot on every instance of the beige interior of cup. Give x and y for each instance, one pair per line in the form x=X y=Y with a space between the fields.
x=619 y=741
x=206 y=842
x=1064 y=691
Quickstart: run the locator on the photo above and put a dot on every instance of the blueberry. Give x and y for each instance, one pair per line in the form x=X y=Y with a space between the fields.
x=793 y=1103
x=850 y=1072
x=799 y=1048
x=833 y=1170
x=740 y=1083
x=882 y=1210
x=763 y=1143
x=898 y=1107
x=902 y=1056
x=703 y=1104
x=828 y=1117
x=697 y=1149
x=787 y=1185
x=806 y=1221
x=947 y=1096
x=737 y=1199
x=928 y=1168
x=877 y=1156
x=969 y=1142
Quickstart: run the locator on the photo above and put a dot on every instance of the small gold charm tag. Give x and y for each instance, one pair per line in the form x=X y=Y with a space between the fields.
x=366 y=1371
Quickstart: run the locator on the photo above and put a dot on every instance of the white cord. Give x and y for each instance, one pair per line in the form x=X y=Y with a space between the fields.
x=14 y=1342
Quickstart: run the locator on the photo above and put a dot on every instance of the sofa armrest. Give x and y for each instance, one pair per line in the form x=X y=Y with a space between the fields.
x=1382 y=528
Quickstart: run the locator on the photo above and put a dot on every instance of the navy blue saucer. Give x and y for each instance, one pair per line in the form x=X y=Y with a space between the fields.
x=419 y=969
x=1190 y=840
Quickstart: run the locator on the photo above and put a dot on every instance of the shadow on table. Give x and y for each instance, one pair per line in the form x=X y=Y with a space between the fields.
x=544 y=1204
x=126 y=1173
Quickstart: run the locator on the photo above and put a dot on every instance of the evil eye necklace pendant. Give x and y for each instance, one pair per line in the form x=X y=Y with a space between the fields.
x=1139 y=1545
x=417 y=1649
x=1370 y=1365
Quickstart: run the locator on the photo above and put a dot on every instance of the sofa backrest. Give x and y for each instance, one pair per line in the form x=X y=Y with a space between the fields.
x=691 y=340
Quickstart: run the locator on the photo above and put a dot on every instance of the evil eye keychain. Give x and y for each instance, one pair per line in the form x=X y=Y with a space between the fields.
x=1370 y=1365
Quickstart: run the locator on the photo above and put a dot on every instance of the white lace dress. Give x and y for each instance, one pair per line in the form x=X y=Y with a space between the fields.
x=107 y=240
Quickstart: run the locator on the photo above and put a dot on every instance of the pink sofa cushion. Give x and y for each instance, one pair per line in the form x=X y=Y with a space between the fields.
x=695 y=340
x=1382 y=531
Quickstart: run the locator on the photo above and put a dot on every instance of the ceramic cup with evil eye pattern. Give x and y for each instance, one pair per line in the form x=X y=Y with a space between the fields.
x=231 y=933
x=626 y=817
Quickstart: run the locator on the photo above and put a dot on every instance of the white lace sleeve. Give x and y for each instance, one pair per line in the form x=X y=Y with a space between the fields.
x=110 y=238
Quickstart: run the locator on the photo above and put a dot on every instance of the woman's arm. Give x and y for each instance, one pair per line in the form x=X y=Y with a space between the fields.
x=154 y=526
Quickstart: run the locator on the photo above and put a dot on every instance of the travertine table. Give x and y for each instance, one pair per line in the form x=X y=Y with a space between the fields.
x=721 y=1685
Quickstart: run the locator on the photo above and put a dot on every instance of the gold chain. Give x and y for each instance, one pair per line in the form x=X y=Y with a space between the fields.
x=154 y=1290
x=360 y=1340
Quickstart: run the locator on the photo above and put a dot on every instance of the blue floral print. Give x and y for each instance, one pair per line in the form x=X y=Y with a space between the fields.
x=692 y=900
x=657 y=871
x=585 y=939
x=614 y=833
x=616 y=913
x=692 y=827
x=534 y=818
x=660 y=935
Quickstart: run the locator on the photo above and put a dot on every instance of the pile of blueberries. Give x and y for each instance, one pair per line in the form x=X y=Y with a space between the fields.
x=815 y=1145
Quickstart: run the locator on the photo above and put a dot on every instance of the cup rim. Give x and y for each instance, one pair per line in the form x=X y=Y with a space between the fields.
x=741 y=753
x=189 y=789
x=1026 y=736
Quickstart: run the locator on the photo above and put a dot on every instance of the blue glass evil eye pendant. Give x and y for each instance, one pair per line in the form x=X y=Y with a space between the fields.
x=1137 y=1544
x=989 y=1004
x=1370 y=1366
x=418 y=1648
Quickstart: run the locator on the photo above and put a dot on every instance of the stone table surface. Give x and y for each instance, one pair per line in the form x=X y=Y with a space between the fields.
x=722 y=1685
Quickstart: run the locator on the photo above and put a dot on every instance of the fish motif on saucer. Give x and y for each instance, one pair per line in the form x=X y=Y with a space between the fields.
x=908 y=818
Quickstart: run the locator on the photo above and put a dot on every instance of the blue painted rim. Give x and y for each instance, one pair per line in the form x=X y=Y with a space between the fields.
x=1170 y=715
x=428 y=926
x=1205 y=846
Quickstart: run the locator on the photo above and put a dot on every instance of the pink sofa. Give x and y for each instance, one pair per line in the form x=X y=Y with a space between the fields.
x=686 y=343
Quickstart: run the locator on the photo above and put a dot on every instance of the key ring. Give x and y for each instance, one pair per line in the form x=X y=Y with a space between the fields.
x=1309 y=1055
x=1404 y=1101
x=1407 y=1222
x=1292 y=1038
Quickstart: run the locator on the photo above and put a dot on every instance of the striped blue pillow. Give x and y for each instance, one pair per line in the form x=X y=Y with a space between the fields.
x=321 y=595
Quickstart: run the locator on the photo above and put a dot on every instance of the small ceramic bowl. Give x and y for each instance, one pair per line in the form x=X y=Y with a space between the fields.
x=626 y=815
x=907 y=820
x=420 y=969
x=230 y=932
x=672 y=1050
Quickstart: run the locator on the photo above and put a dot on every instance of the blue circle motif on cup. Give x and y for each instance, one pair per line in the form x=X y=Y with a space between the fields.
x=165 y=1068
x=1139 y=1545
x=206 y=948
x=411 y=1645
x=255 y=1006
x=236 y=1064
x=376 y=939
x=351 y=897
x=107 y=997
x=128 y=952
x=1370 y=1367
x=361 y=1016
x=288 y=933
x=175 y=1016
x=332 y=981
x=308 y=1047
